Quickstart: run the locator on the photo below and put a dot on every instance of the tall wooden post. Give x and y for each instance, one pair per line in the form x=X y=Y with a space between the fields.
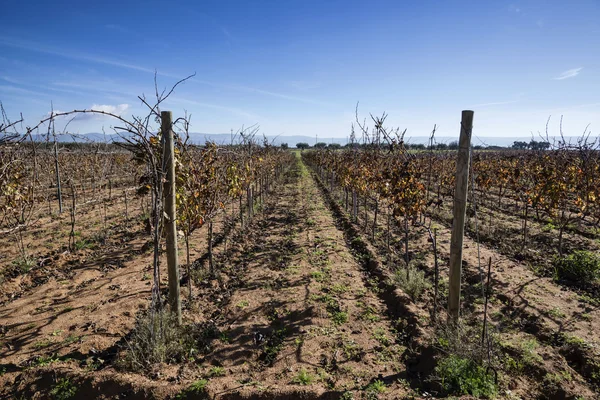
x=170 y=211
x=460 y=208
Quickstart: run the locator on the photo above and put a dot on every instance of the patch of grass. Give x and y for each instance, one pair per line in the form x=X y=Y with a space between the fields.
x=242 y=304
x=529 y=352
x=549 y=227
x=43 y=361
x=584 y=298
x=195 y=391
x=556 y=313
x=273 y=346
x=42 y=344
x=303 y=378
x=586 y=317
x=63 y=390
x=347 y=396
x=572 y=340
x=72 y=339
x=318 y=276
x=581 y=268
x=84 y=244
x=462 y=376
x=373 y=285
x=216 y=371
x=414 y=284
x=224 y=337
x=368 y=312
x=24 y=263
x=157 y=338
x=332 y=305
x=339 y=288
x=339 y=317
x=381 y=336
x=352 y=350
x=377 y=387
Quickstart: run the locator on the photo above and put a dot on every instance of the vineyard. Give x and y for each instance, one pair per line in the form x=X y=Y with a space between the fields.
x=157 y=268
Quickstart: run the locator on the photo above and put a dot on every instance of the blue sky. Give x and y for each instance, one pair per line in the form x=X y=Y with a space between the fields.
x=300 y=67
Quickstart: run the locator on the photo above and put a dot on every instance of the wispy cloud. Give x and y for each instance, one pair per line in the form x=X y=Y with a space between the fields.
x=21 y=44
x=497 y=103
x=20 y=90
x=303 y=85
x=570 y=73
x=232 y=110
x=114 y=63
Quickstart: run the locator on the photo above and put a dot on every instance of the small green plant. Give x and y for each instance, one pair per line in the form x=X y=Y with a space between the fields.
x=24 y=263
x=273 y=346
x=580 y=268
x=381 y=336
x=556 y=313
x=414 y=284
x=216 y=371
x=529 y=352
x=462 y=376
x=339 y=288
x=242 y=304
x=318 y=276
x=72 y=339
x=196 y=390
x=224 y=337
x=84 y=244
x=43 y=361
x=339 y=317
x=42 y=344
x=303 y=378
x=376 y=387
x=549 y=227
x=63 y=390
x=369 y=313
x=347 y=396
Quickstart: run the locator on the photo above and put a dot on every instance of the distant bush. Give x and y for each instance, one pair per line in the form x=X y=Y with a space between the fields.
x=580 y=268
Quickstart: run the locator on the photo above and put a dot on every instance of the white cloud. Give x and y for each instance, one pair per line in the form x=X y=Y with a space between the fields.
x=117 y=110
x=570 y=73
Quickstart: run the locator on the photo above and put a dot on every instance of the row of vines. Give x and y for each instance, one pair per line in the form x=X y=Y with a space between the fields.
x=557 y=187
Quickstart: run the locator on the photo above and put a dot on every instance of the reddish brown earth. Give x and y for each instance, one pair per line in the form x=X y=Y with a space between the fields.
x=303 y=307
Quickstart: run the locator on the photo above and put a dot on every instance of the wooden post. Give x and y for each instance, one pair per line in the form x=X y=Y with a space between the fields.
x=57 y=171
x=170 y=211
x=459 y=212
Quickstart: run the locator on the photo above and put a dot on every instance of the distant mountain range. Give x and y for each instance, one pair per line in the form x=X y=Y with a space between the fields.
x=227 y=138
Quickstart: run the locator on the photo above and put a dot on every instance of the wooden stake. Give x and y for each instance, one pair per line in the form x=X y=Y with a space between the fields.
x=459 y=212
x=170 y=211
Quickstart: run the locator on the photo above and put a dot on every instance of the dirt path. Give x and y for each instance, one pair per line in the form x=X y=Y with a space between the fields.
x=302 y=318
